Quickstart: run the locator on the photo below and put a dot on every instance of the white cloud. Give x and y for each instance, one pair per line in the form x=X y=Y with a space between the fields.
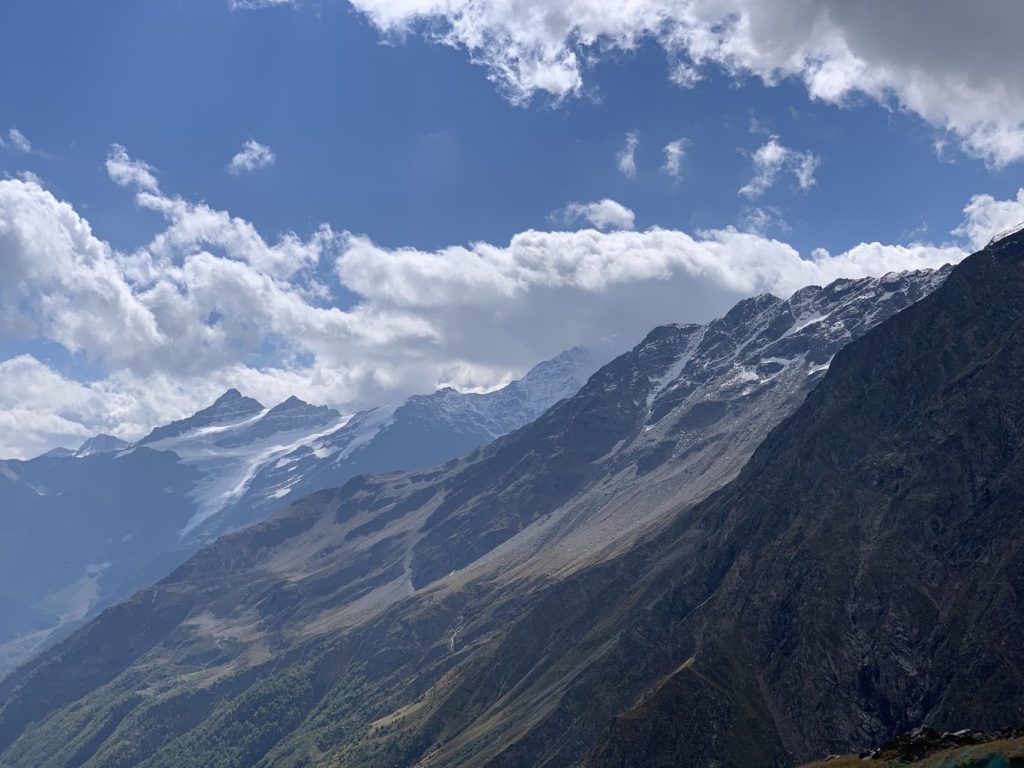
x=128 y=172
x=909 y=55
x=251 y=157
x=626 y=159
x=604 y=215
x=17 y=140
x=674 y=153
x=596 y=263
x=985 y=216
x=58 y=281
x=209 y=303
x=770 y=159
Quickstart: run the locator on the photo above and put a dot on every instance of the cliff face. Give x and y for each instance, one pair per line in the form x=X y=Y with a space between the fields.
x=865 y=572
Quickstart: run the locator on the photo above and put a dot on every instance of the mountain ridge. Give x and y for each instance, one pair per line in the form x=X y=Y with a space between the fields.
x=91 y=526
x=330 y=584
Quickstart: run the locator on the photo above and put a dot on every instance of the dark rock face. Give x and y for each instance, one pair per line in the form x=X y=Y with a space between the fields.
x=866 y=565
x=546 y=600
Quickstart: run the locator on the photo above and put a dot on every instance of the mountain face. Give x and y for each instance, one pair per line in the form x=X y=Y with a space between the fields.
x=82 y=529
x=541 y=601
x=422 y=431
x=864 y=574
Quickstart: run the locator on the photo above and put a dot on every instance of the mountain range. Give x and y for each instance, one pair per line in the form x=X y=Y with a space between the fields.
x=84 y=528
x=686 y=562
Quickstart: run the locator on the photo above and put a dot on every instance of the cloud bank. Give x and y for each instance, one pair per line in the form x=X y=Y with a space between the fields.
x=211 y=303
x=906 y=55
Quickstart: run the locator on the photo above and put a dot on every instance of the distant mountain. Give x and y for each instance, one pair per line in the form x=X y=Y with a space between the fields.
x=499 y=610
x=229 y=408
x=424 y=430
x=100 y=444
x=82 y=529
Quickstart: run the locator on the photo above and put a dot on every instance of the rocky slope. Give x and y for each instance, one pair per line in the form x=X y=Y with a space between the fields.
x=83 y=528
x=499 y=610
x=863 y=575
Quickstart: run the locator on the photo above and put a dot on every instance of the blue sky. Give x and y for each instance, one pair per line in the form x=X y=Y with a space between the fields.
x=411 y=144
x=406 y=147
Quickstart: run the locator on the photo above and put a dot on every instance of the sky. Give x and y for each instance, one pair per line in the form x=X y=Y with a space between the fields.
x=358 y=200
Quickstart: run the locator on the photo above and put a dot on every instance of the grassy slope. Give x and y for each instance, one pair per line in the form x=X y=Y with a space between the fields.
x=995 y=754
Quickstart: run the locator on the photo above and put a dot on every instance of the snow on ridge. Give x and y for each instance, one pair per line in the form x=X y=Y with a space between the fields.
x=1006 y=233
x=378 y=420
x=196 y=440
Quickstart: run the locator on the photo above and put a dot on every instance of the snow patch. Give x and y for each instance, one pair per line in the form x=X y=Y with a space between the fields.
x=367 y=430
x=676 y=369
x=1006 y=233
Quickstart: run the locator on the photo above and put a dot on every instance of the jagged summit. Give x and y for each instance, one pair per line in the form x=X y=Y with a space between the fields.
x=292 y=403
x=295 y=407
x=230 y=396
x=229 y=407
x=101 y=443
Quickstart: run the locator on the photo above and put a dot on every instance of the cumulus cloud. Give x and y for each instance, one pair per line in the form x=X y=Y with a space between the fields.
x=908 y=55
x=674 y=153
x=210 y=303
x=985 y=217
x=251 y=157
x=59 y=282
x=128 y=172
x=626 y=159
x=595 y=263
x=770 y=159
x=604 y=215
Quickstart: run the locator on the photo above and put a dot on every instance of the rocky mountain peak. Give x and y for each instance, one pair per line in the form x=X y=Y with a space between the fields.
x=231 y=406
x=101 y=444
x=229 y=396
